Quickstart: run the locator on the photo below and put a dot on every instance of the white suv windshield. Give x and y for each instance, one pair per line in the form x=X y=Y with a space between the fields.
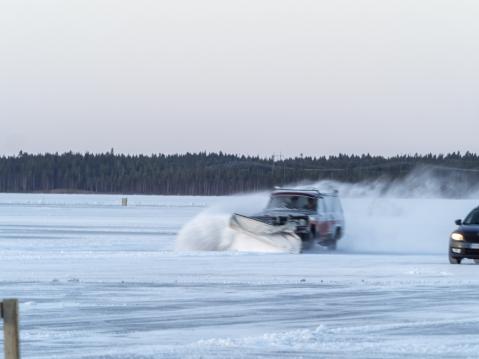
x=280 y=201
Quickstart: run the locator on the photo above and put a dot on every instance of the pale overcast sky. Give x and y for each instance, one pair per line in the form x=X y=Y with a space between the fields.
x=250 y=76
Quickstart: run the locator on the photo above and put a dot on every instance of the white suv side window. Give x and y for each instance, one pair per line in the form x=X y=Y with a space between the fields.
x=336 y=208
x=339 y=208
x=322 y=209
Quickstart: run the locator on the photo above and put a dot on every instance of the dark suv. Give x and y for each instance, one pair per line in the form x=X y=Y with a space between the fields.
x=464 y=241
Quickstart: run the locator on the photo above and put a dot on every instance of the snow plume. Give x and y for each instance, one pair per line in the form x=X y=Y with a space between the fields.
x=395 y=225
x=413 y=215
x=207 y=231
x=422 y=182
x=210 y=231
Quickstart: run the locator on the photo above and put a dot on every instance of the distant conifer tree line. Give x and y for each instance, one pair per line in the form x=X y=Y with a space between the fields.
x=209 y=173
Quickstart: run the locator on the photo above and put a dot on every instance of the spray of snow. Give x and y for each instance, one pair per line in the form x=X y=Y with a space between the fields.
x=210 y=230
x=406 y=216
x=423 y=182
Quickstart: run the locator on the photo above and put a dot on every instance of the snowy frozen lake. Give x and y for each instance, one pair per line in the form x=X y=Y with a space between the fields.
x=97 y=280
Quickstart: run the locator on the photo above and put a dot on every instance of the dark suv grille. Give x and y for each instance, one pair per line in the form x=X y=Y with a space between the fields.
x=471 y=237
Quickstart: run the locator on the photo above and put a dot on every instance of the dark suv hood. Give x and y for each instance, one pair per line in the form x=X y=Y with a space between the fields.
x=468 y=228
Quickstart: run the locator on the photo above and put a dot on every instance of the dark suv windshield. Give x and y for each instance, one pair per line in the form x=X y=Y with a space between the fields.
x=280 y=201
x=473 y=217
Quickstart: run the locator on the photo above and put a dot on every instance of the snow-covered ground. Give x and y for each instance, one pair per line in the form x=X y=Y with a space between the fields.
x=97 y=280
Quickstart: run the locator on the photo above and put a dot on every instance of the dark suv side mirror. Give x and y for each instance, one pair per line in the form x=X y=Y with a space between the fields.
x=458 y=222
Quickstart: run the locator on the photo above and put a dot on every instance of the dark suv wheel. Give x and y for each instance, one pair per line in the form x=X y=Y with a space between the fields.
x=454 y=260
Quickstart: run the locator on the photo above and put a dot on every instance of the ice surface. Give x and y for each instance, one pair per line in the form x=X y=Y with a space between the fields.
x=97 y=280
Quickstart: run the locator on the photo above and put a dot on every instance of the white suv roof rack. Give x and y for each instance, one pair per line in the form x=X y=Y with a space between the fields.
x=306 y=189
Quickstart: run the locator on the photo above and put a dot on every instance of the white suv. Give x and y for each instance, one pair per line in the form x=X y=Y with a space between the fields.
x=317 y=216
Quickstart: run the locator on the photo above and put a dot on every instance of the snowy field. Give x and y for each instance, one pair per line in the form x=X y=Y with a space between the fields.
x=97 y=280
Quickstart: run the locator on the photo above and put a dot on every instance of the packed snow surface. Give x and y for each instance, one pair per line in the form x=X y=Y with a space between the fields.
x=160 y=279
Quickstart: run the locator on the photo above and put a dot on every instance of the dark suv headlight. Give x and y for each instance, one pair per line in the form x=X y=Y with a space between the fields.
x=457 y=236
